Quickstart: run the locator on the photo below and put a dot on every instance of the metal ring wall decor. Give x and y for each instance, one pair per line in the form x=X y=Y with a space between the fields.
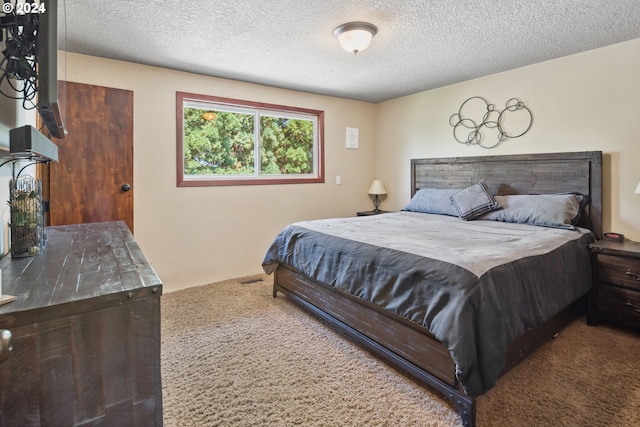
x=493 y=118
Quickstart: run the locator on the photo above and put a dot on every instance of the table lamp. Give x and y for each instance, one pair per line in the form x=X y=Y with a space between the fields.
x=377 y=189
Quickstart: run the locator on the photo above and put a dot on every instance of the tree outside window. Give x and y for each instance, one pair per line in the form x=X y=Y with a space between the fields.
x=224 y=141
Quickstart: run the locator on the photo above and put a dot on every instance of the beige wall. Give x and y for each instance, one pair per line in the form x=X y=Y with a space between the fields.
x=587 y=101
x=195 y=236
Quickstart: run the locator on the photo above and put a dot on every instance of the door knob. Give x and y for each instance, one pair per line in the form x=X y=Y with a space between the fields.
x=126 y=187
x=5 y=344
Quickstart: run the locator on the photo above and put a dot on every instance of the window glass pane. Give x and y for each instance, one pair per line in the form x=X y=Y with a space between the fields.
x=224 y=141
x=286 y=146
x=218 y=142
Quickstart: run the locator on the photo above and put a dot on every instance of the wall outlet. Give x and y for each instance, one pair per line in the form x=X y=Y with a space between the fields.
x=338 y=180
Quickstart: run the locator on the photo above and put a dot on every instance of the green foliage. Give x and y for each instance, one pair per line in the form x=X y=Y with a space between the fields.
x=222 y=143
x=286 y=145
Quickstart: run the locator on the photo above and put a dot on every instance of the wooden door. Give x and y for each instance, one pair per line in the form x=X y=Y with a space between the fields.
x=93 y=179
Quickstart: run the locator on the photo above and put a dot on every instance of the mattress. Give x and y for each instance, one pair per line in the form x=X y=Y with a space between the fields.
x=475 y=285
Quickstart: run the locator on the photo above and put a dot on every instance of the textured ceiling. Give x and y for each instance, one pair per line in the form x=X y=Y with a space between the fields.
x=420 y=45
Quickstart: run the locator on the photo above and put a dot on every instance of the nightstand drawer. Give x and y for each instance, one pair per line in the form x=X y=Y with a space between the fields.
x=619 y=301
x=619 y=271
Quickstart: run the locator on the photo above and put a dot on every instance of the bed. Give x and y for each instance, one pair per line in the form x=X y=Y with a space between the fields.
x=455 y=316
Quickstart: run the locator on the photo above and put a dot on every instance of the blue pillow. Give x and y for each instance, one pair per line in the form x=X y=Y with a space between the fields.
x=547 y=210
x=433 y=201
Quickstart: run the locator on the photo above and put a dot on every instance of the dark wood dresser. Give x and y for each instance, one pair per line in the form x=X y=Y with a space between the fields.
x=85 y=332
x=616 y=292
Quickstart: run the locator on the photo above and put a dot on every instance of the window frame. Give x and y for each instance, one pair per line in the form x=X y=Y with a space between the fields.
x=225 y=180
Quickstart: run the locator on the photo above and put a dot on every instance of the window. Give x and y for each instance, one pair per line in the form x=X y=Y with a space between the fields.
x=224 y=141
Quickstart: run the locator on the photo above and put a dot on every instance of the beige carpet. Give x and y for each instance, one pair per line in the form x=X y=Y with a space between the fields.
x=232 y=355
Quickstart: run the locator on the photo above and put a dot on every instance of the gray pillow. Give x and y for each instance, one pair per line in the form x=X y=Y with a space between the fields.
x=434 y=201
x=474 y=201
x=548 y=210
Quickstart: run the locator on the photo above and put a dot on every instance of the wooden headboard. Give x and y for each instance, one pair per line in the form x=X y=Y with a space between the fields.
x=520 y=174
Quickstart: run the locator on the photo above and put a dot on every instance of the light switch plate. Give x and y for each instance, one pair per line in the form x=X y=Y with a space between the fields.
x=352 y=138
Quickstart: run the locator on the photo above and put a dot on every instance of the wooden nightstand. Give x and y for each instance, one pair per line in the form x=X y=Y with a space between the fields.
x=616 y=292
x=367 y=213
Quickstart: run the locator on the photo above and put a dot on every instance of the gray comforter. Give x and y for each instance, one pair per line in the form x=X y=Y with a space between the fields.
x=475 y=285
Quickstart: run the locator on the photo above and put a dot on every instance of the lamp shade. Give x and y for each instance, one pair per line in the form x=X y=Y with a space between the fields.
x=638 y=189
x=355 y=36
x=377 y=188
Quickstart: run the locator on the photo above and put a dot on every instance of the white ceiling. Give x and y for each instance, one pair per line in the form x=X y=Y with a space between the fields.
x=420 y=45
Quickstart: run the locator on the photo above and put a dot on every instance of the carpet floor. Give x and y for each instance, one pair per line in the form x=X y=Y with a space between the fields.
x=232 y=355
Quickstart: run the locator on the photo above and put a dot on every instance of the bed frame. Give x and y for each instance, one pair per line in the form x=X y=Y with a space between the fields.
x=405 y=344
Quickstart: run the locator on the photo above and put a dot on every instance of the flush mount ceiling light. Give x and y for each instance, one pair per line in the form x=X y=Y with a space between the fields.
x=355 y=36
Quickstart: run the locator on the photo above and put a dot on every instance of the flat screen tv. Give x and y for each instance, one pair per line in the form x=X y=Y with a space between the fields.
x=47 y=63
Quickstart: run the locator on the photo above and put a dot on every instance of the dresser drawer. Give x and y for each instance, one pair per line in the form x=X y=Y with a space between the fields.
x=621 y=302
x=619 y=271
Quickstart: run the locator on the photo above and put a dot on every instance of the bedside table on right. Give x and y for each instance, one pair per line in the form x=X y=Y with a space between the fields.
x=616 y=289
